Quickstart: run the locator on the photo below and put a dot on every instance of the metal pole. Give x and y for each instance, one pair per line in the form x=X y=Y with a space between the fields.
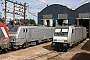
x=24 y=12
x=89 y=21
x=5 y=12
x=13 y=13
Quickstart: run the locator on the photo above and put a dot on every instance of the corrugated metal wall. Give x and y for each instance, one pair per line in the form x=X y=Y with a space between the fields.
x=57 y=11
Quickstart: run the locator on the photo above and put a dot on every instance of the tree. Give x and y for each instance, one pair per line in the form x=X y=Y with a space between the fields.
x=11 y=22
x=28 y=22
x=22 y=22
x=1 y=20
x=32 y=22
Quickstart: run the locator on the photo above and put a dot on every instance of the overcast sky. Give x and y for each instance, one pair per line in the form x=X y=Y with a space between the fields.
x=38 y=5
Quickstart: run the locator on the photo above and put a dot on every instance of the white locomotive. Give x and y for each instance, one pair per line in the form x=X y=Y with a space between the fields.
x=23 y=36
x=67 y=36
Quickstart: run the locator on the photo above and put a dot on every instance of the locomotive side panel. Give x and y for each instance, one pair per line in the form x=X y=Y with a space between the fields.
x=4 y=37
x=30 y=35
x=78 y=34
x=74 y=36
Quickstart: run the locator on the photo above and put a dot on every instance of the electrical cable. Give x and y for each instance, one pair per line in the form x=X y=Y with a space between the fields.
x=30 y=12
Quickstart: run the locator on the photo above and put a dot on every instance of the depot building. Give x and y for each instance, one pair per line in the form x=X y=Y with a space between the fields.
x=57 y=14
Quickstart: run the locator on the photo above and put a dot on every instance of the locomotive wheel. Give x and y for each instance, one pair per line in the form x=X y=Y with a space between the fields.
x=65 y=50
x=3 y=51
x=25 y=45
x=34 y=43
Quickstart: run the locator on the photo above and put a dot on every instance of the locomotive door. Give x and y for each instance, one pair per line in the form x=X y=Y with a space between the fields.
x=73 y=36
x=27 y=34
x=22 y=35
x=1 y=36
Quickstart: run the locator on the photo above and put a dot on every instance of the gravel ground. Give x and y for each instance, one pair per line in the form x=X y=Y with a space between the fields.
x=45 y=52
x=80 y=52
x=24 y=53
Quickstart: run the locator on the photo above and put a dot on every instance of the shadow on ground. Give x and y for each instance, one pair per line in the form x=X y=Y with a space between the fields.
x=81 y=56
x=86 y=46
x=48 y=47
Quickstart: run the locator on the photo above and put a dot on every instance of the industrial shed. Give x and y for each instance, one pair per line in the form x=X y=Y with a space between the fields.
x=82 y=15
x=56 y=14
x=53 y=13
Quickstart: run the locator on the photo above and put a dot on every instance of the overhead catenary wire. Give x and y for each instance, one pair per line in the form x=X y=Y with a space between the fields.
x=42 y=2
x=1 y=3
x=30 y=12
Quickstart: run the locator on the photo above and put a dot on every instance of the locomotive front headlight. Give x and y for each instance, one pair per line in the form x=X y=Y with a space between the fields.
x=14 y=39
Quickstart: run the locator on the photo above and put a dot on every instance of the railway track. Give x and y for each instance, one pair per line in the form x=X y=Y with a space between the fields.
x=52 y=55
x=42 y=52
x=46 y=56
x=13 y=50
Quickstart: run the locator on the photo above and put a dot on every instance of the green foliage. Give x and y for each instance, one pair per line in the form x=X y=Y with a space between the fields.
x=11 y=22
x=1 y=20
x=32 y=21
x=22 y=22
x=29 y=22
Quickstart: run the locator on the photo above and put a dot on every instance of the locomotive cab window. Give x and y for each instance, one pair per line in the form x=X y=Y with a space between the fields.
x=1 y=34
x=64 y=32
x=13 y=29
x=57 y=32
x=61 y=32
